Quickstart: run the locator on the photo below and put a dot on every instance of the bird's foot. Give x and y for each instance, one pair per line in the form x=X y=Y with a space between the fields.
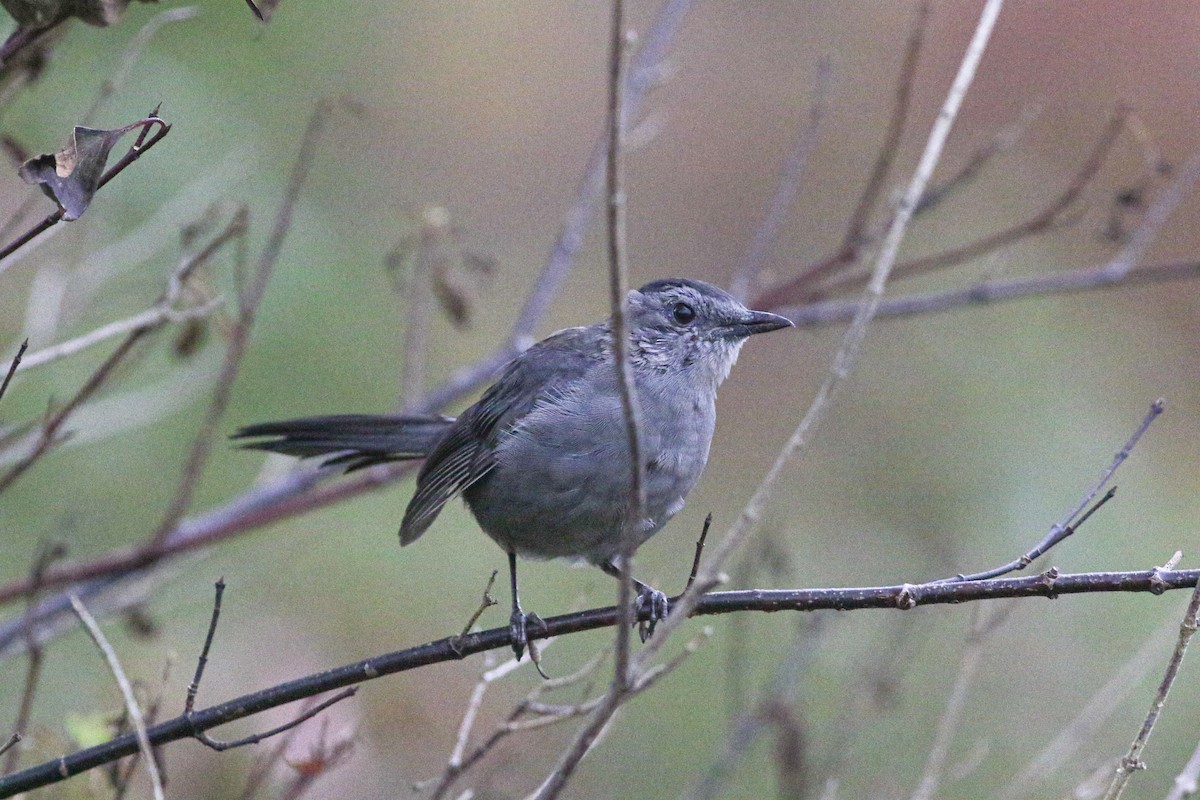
x=652 y=602
x=518 y=625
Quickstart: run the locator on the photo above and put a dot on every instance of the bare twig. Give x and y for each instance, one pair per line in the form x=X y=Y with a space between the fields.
x=993 y=291
x=1091 y=718
x=956 y=704
x=167 y=308
x=484 y=604
x=1187 y=782
x=699 y=551
x=745 y=277
x=248 y=301
x=255 y=738
x=1132 y=761
x=1077 y=516
x=12 y=742
x=47 y=553
x=133 y=51
x=12 y=368
x=48 y=435
x=618 y=285
x=202 y=661
x=131 y=703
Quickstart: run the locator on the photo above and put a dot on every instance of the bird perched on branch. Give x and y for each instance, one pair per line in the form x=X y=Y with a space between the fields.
x=542 y=459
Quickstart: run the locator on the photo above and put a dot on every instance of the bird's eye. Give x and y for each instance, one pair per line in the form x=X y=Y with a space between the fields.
x=683 y=313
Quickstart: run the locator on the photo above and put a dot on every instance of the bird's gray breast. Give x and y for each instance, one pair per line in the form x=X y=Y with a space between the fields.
x=561 y=481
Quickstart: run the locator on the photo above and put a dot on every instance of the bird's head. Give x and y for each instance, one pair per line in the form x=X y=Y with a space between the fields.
x=692 y=328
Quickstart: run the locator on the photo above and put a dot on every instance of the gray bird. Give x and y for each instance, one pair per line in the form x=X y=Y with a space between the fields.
x=542 y=459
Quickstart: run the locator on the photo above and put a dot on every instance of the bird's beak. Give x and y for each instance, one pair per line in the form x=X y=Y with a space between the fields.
x=752 y=322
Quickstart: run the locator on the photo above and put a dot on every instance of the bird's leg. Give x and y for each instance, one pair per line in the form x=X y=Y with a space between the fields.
x=649 y=600
x=518 y=621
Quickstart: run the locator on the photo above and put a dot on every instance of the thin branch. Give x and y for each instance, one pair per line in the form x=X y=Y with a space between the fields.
x=699 y=550
x=618 y=286
x=1050 y=584
x=202 y=661
x=987 y=292
x=1090 y=719
x=131 y=703
x=166 y=309
x=1132 y=761
x=133 y=52
x=50 y=428
x=1187 y=782
x=12 y=368
x=956 y=703
x=1050 y=218
x=791 y=178
x=255 y=738
x=1077 y=516
x=12 y=742
x=1047 y=219
x=47 y=553
x=235 y=349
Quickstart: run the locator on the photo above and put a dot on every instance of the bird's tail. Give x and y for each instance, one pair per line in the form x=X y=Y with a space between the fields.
x=353 y=440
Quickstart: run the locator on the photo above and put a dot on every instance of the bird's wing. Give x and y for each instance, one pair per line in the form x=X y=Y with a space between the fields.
x=467 y=452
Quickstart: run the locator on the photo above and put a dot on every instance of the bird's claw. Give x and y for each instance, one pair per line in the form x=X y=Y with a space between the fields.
x=518 y=625
x=655 y=605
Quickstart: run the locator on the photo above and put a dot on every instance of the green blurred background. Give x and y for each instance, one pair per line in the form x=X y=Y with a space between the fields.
x=957 y=443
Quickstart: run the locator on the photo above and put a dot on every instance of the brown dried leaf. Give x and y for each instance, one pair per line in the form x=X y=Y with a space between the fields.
x=70 y=176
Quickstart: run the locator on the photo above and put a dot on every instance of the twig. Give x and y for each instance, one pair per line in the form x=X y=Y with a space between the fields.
x=452 y=648
x=131 y=703
x=749 y=726
x=166 y=308
x=50 y=428
x=194 y=688
x=1073 y=519
x=790 y=180
x=956 y=703
x=854 y=238
x=47 y=553
x=248 y=301
x=1002 y=142
x=460 y=761
x=699 y=551
x=487 y=602
x=1132 y=761
x=1048 y=219
x=202 y=661
x=133 y=51
x=618 y=285
x=13 y=741
x=12 y=368
x=987 y=292
x=1091 y=718
x=1187 y=782
x=255 y=738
